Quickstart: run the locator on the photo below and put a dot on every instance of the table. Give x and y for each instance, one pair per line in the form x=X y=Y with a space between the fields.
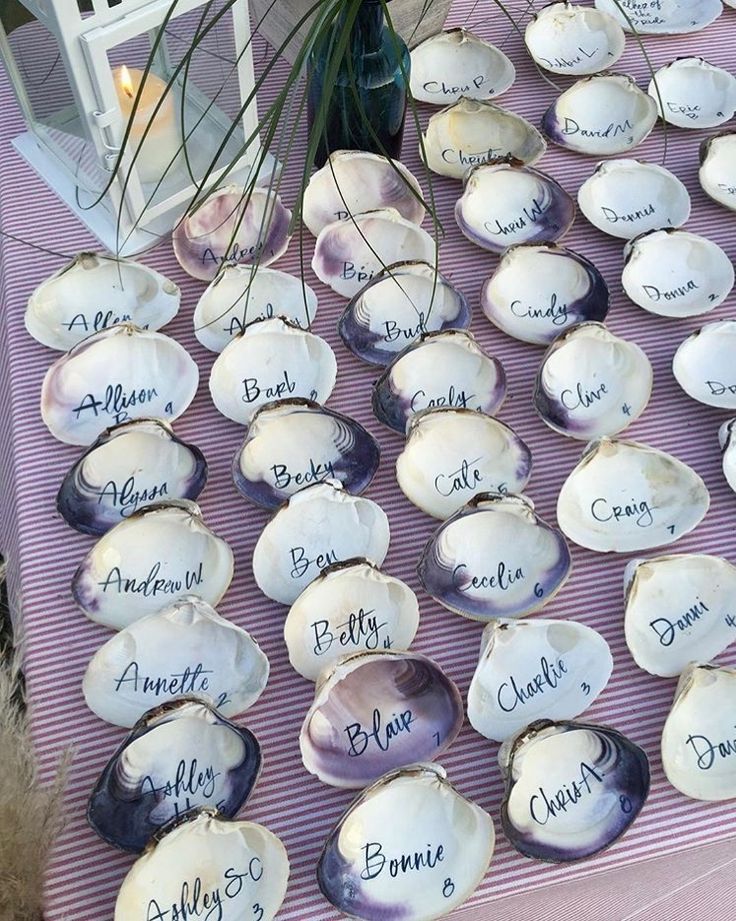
x=673 y=841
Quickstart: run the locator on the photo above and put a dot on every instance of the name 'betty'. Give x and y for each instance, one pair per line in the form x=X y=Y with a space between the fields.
x=360 y=629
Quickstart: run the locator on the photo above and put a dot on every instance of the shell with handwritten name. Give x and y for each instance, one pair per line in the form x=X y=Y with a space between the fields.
x=624 y=496
x=351 y=606
x=494 y=558
x=663 y=17
x=374 y=712
x=94 y=291
x=178 y=756
x=505 y=204
x=272 y=360
x=572 y=789
x=473 y=131
x=699 y=736
x=294 y=443
x=242 y=294
x=319 y=525
x=403 y=302
x=451 y=454
x=456 y=63
x=705 y=364
x=185 y=649
x=535 y=669
x=115 y=375
x=232 y=226
x=592 y=383
x=128 y=467
x=446 y=368
x=410 y=847
x=355 y=181
x=678 y=609
x=717 y=173
x=348 y=254
x=567 y=39
x=691 y=93
x=601 y=116
x=207 y=866
x=727 y=441
x=154 y=556
x=539 y=290
x=625 y=198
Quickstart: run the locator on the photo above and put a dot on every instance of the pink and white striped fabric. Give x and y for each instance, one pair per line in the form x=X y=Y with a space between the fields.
x=85 y=873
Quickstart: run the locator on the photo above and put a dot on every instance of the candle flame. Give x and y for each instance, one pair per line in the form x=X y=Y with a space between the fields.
x=126 y=82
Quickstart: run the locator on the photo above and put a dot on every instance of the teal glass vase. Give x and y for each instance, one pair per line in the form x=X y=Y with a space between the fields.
x=365 y=105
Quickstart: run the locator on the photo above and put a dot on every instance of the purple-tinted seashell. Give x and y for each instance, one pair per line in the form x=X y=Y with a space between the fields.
x=402 y=303
x=572 y=789
x=295 y=443
x=494 y=558
x=446 y=368
x=178 y=756
x=377 y=711
x=232 y=226
x=505 y=204
x=128 y=467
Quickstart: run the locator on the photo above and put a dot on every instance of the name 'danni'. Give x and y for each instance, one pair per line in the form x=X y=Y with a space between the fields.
x=189 y=780
x=380 y=734
x=707 y=751
x=547 y=805
x=361 y=629
x=602 y=510
x=116 y=401
x=513 y=693
x=554 y=311
x=152 y=584
x=670 y=630
x=128 y=496
x=457 y=398
x=530 y=215
x=198 y=904
x=192 y=680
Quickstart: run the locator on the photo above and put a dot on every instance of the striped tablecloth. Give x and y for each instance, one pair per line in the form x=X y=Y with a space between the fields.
x=85 y=873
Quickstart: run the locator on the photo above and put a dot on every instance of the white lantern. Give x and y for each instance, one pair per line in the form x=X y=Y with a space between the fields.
x=77 y=70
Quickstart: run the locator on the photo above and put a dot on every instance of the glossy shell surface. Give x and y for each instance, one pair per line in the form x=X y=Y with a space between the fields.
x=374 y=712
x=439 y=369
x=694 y=93
x=625 y=496
x=178 y=756
x=717 y=174
x=665 y=17
x=494 y=558
x=292 y=443
x=538 y=291
x=705 y=364
x=184 y=649
x=95 y=291
x=601 y=116
x=142 y=564
x=118 y=374
x=128 y=467
x=535 y=669
x=504 y=204
x=454 y=835
x=352 y=606
x=568 y=39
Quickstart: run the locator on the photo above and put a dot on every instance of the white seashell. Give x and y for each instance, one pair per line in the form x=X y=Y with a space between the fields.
x=350 y=607
x=728 y=446
x=450 y=455
x=186 y=649
x=663 y=17
x=118 y=374
x=318 y=526
x=678 y=609
x=717 y=174
x=601 y=116
x=592 y=383
x=698 y=740
x=534 y=669
x=567 y=39
x=417 y=869
x=95 y=291
x=161 y=552
x=675 y=273
x=456 y=63
x=230 y=866
x=705 y=364
x=504 y=204
x=471 y=132
x=272 y=360
x=537 y=291
x=625 y=496
x=691 y=93
x=348 y=254
x=355 y=181
x=241 y=294
x=626 y=198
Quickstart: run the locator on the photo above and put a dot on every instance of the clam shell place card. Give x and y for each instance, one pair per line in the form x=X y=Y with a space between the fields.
x=565 y=38
x=705 y=364
x=662 y=17
x=717 y=173
x=727 y=442
x=691 y=93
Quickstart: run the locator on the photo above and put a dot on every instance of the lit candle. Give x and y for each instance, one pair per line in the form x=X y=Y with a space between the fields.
x=163 y=140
